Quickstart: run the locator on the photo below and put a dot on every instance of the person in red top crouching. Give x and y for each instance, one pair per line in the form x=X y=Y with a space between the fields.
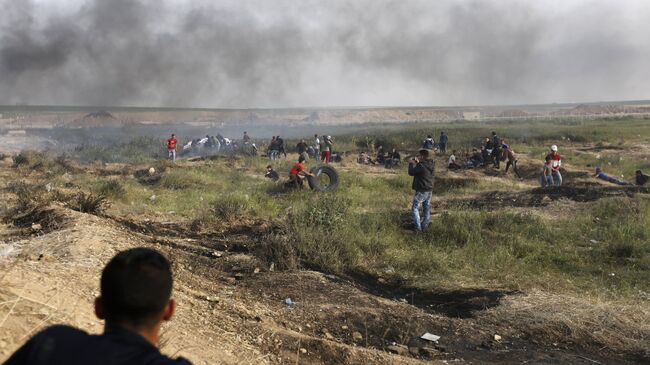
x=556 y=164
x=296 y=174
x=171 y=147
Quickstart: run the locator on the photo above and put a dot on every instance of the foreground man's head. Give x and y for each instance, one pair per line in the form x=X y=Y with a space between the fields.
x=135 y=299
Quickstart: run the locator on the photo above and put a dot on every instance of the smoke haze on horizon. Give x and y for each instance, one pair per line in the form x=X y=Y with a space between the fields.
x=284 y=53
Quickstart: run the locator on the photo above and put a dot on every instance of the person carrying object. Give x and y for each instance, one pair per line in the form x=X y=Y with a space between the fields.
x=297 y=173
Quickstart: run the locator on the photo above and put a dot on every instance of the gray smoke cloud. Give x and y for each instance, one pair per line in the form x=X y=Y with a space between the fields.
x=322 y=53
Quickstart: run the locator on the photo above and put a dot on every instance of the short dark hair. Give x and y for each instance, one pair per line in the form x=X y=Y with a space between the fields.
x=639 y=172
x=301 y=158
x=269 y=166
x=136 y=286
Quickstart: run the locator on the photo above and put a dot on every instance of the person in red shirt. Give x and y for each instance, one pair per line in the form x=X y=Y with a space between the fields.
x=556 y=163
x=171 y=147
x=296 y=174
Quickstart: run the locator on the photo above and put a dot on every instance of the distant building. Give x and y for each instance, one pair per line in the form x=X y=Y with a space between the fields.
x=472 y=116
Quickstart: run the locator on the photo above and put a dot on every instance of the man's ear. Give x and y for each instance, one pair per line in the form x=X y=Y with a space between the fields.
x=99 y=308
x=169 y=310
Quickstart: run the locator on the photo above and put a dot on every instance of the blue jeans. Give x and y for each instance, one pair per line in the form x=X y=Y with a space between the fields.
x=557 y=178
x=421 y=198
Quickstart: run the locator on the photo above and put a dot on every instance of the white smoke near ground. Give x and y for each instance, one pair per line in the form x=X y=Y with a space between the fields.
x=321 y=53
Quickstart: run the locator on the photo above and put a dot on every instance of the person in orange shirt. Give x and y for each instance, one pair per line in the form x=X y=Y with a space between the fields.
x=171 y=147
x=296 y=174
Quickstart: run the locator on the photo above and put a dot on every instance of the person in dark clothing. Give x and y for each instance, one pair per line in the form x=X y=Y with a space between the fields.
x=476 y=159
x=135 y=299
x=641 y=178
x=442 y=144
x=393 y=159
x=422 y=169
x=486 y=152
x=381 y=158
x=302 y=149
x=280 y=143
x=271 y=174
x=496 y=150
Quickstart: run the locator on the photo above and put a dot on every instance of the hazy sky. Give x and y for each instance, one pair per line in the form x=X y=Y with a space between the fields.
x=280 y=53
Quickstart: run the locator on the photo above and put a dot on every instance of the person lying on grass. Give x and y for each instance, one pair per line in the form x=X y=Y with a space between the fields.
x=135 y=299
x=603 y=176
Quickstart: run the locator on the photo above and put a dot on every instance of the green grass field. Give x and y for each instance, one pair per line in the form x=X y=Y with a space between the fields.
x=597 y=249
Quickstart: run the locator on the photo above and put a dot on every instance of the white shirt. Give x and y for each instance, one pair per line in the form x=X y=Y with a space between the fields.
x=452 y=159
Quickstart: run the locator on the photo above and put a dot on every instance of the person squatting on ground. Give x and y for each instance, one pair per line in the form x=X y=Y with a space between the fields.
x=135 y=298
x=476 y=159
x=428 y=143
x=271 y=174
x=393 y=159
x=547 y=172
x=556 y=164
x=442 y=143
x=171 y=147
x=641 y=178
x=381 y=158
x=511 y=158
x=422 y=169
x=451 y=164
x=296 y=174
x=496 y=150
x=603 y=176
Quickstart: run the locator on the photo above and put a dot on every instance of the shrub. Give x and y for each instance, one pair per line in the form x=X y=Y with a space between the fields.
x=231 y=207
x=279 y=251
x=327 y=210
x=182 y=179
x=88 y=203
x=112 y=188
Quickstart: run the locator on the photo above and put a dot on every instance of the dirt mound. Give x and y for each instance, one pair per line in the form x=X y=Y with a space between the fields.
x=539 y=197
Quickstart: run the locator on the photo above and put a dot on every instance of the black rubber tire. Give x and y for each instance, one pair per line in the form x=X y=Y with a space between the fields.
x=327 y=170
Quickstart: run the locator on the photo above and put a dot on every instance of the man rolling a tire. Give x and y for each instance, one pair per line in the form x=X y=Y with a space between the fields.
x=422 y=168
x=296 y=174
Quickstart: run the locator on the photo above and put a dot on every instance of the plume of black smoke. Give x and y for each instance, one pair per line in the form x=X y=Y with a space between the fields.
x=316 y=53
